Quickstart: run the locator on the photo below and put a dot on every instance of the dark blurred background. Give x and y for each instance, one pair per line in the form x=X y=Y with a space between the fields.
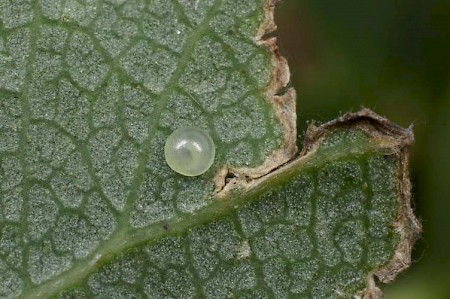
x=392 y=56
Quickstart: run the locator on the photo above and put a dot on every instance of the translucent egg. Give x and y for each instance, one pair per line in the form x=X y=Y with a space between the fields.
x=189 y=151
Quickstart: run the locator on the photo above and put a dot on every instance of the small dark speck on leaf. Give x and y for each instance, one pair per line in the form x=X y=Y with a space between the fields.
x=388 y=158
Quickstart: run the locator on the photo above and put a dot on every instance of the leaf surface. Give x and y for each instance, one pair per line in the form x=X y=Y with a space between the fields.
x=89 y=92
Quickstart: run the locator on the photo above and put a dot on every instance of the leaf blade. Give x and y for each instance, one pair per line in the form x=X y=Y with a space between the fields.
x=90 y=92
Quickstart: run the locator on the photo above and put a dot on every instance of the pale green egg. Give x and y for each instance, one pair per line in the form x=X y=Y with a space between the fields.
x=189 y=151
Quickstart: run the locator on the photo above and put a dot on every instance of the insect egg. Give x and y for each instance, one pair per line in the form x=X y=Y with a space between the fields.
x=189 y=151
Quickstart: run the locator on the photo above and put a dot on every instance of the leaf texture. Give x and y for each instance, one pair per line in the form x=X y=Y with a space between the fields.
x=89 y=92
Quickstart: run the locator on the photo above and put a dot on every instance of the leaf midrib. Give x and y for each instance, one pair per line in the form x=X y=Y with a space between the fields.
x=127 y=239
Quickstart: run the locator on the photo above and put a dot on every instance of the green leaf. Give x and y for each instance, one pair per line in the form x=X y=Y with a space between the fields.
x=89 y=92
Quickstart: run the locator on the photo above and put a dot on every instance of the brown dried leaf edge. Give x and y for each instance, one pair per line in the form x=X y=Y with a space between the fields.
x=283 y=103
x=396 y=140
x=386 y=137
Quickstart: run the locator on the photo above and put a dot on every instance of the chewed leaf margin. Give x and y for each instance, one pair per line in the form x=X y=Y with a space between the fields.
x=407 y=226
x=386 y=136
x=283 y=101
